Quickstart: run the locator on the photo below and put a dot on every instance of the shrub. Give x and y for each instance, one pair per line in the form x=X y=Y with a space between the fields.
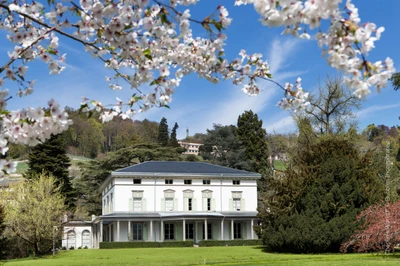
x=237 y=242
x=79 y=247
x=85 y=247
x=63 y=248
x=114 y=245
x=71 y=248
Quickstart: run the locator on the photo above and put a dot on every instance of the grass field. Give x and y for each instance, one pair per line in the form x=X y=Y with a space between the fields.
x=204 y=256
x=22 y=167
x=279 y=165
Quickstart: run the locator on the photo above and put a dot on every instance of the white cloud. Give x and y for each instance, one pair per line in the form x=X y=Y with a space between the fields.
x=229 y=108
x=373 y=109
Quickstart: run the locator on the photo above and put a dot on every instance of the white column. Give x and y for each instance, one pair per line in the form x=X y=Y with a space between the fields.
x=129 y=231
x=101 y=232
x=205 y=230
x=117 y=231
x=162 y=230
x=222 y=230
x=232 y=235
x=184 y=225
x=252 y=230
x=151 y=231
x=195 y=232
x=109 y=233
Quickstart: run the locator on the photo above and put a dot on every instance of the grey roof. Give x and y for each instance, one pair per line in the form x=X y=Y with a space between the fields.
x=193 y=168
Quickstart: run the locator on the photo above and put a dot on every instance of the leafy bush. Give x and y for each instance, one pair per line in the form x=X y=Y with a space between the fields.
x=85 y=247
x=237 y=242
x=71 y=248
x=79 y=247
x=114 y=245
x=63 y=248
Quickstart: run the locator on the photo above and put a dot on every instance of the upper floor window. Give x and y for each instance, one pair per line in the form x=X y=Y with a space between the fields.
x=237 y=204
x=187 y=181
x=206 y=182
x=190 y=204
x=208 y=204
x=169 y=204
x=236 y=182
x=137 y=204
x=169 y=181
x=137 y=181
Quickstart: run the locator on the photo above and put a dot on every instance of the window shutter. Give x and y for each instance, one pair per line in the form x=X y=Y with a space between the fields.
x=242 y=205
x=162 y=204
x=204 y=204
x=131 y=204
x=176 y=206
x=185 y=204
x=194 y=203
x=144 y=205
x=213 y=205
x=230 y=204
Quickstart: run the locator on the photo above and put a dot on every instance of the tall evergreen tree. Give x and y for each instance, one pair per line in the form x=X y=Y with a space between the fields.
x=253 y=140
x=51 y=158
x=163 y=136
x=173 y=141
x=313 y=208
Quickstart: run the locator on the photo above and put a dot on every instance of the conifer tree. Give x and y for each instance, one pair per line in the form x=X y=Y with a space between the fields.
x=51 y=158
x=173 y=140
x=163 y=136
x=253 y=140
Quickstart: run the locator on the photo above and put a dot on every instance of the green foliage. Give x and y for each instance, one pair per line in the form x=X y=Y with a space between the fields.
x=222 y=147
x=163 y=135
x=3 y=239
x=166 y=244
x=237 y=242
x=173 y=141
x=32 y=208
x=51 y=158
x=395 y=79
x=313 y=207
x=94 y=172
x=22 y=167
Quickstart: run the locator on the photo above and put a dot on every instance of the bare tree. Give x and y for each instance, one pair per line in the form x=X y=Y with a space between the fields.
x=332 y=109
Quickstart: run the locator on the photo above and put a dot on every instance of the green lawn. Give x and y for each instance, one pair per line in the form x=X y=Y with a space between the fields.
x=204 y=256
x=22 y=167
x=279 y=165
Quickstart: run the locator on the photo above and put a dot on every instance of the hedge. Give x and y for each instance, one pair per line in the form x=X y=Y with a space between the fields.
x=169 y=244
x=237 y=242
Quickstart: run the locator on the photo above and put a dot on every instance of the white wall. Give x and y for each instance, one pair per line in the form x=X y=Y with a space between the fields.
x=153 y=194
x=78 y=236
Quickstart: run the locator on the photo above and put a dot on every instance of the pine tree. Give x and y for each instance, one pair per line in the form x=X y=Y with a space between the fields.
x=253 y=139
x=163 y=137
x=51 y=158
x=173 y=140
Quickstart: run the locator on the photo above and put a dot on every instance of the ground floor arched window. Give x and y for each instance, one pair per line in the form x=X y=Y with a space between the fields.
x=86 y=241
x=71 y=239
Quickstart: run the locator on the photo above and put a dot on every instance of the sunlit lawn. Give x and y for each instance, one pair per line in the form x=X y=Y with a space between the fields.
x=204 y=256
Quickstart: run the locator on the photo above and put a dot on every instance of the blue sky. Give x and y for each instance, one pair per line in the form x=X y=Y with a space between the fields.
x=197 y=104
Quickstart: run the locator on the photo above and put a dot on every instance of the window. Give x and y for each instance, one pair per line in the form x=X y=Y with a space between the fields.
x=237 y=230
x=169 y=181
x=169 y=232
x=206 y=182
x=137 y=204
x=236 y=182
x=187 y=181
x=71 y=240
x=209 y=231
x=189 y=231
x=208 y=204
x=86 y=238
x=236 y=204
x=190 y=204
x=137 y=231
x=169 y=204
x=137 y=181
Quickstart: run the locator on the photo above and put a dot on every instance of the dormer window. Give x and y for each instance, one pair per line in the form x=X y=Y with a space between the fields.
x=236 y=182
x=187 y=181
x=137 y=181
x=206 y=182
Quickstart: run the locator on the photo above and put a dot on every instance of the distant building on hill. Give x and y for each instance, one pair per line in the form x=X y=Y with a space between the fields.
x=191 y=147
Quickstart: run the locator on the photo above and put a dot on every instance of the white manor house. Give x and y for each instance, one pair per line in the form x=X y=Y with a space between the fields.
x=167 y=200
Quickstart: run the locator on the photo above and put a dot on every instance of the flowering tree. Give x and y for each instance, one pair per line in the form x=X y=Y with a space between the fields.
x=150 y=42
x=380 y=230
